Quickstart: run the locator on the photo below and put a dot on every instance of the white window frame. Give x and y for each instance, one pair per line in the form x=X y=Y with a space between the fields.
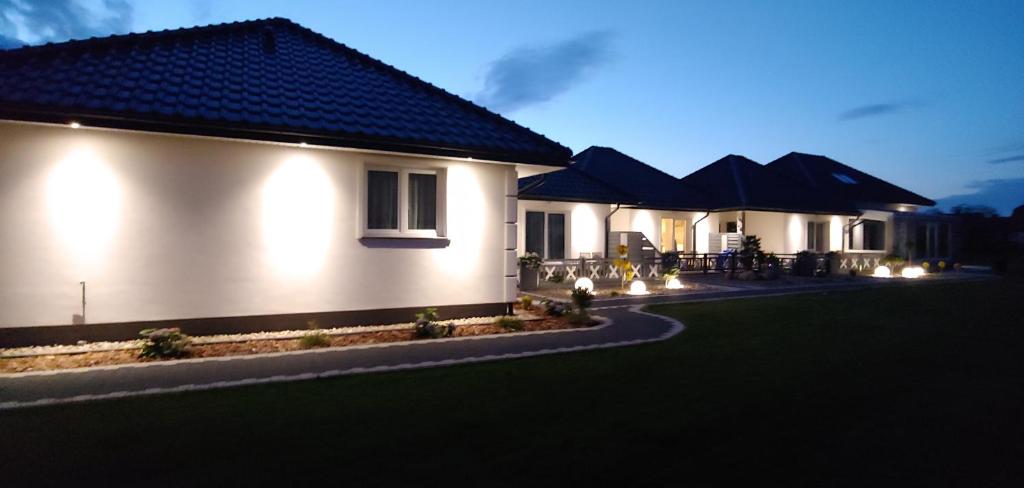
x=403 y=230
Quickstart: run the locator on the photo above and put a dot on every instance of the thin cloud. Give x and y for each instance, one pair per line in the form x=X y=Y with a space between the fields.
x=1009 y=159
x=1001 y=194
x=202 y=10
x=59 y=20
x=874 y=110
x=531 y=75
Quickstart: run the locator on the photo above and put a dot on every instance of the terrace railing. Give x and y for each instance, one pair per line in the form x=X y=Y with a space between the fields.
x=601 y=269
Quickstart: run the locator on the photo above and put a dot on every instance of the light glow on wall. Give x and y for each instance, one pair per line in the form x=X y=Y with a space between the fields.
x=795 y=234
x=84 y=202
x=298 y=216
x=643 y=221
x=585 y=230
x=465 y=217
x=835 y=231
x=702 y=232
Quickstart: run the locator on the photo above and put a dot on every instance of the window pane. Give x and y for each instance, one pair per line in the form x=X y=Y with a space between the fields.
x=535 y=233
x=874 y=235
x=556 y=236
x=810 y=236
x=382 y=200
x=422 y=201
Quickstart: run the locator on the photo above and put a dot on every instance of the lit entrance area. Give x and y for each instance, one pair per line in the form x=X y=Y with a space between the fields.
x=673 y=235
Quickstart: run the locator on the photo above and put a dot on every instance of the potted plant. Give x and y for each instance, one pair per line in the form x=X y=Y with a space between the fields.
x=529 y=266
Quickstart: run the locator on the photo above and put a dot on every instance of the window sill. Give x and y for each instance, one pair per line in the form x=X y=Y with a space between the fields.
x=404 y=242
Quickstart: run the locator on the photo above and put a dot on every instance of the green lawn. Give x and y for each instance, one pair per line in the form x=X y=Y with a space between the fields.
x=912 y=386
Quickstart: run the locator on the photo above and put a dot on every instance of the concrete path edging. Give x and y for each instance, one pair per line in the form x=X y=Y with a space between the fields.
x=673 y=327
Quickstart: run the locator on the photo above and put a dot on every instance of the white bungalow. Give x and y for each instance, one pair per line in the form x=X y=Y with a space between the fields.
x=246 y=176
x=606 y=198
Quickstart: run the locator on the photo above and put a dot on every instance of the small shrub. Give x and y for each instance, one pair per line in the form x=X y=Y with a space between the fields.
x=853 y=273
x=805 y=264
x=510 y=323
x=670 y=260
x=428 y=328
x=527 y=302
x=614 y=293
x=164 y=343
x=555 y=309
x=750 y=252
x=557 y=277
x=894 y=262
x=314 y=338
x=530 y=260
x=583 y=298
x=434 y=330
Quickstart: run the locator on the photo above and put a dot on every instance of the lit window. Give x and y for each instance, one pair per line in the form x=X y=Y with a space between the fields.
x=402 y=203
x=844 y=178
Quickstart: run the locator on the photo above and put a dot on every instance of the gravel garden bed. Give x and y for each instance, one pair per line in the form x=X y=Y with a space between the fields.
x=45 y=358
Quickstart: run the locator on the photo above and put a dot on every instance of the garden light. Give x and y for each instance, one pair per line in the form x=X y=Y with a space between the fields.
x=912 y=272
x=584 y=283
x=882 y=272
x=673 y=284
x=637 y=287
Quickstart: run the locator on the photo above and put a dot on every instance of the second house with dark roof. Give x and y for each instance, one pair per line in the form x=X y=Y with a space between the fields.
x=797 y=203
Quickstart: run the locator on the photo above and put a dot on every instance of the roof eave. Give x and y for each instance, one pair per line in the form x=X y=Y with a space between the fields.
x=189 y=127
x=545 y=198
x=786 y=210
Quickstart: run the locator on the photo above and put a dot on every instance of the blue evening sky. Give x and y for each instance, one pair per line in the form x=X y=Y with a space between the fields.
x=926 y=94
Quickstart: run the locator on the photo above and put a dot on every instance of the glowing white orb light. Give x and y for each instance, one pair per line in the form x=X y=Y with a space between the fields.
x=912 y=272
x=882 y=272
x=637 y=287
x=585 y=283
x=674 y=284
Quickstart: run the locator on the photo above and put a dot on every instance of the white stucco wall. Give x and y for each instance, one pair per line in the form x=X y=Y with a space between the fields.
x=168 y=227
x=584 y=225
x=786 y=233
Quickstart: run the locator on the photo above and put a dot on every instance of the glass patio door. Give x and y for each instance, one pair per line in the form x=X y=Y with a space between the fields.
x=673 y=235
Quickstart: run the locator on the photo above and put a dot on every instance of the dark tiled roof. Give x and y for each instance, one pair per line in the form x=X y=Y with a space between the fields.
x=826 y=174
x=650 y=187
x=571 y=185
x=266 y=79
x=737 y=183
